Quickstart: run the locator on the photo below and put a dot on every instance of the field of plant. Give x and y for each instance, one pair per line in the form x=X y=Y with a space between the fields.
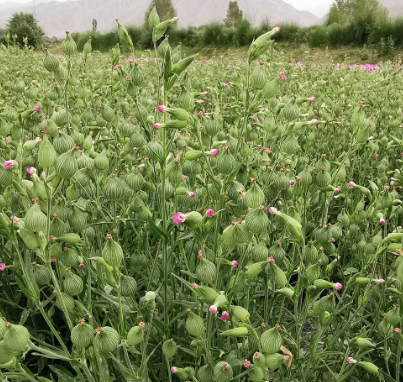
x=166 y=218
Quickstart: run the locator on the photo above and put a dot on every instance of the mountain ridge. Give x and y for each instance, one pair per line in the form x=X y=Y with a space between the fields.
x=76 y=16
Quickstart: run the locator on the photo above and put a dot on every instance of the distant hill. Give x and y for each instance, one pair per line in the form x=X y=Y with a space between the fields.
x=76 y=16
x=395 y=7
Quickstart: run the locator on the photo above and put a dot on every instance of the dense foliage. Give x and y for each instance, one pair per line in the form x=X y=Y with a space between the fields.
x=167 y=219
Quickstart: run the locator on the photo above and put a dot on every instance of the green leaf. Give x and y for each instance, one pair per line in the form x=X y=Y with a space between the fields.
x=231 y=177
x=156 y=231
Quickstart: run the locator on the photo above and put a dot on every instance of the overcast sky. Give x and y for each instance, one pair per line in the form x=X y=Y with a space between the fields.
x=317 y=7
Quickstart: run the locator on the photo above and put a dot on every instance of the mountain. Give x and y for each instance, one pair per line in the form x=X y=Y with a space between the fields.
x=395 y=7
x=56 y=17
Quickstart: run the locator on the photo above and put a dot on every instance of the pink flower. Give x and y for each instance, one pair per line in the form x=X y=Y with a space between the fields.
x=279 y=202
x=179 y=218
x=246 y=364
x=81 y=266
x=338 y=286
x=173 y=369
x=271 y=260
x=267 y=150
x=256 y=355
x=277 y=29
x=210 y=213
x=128 y=78
x=162 y=108
x=53 y=260
x=377 y=156
x=235 y=264
x=213 y=309
x=255 y=117
x=9 y=164
x=382 y=221
x=52 y=239
x=191 y=194
x=201 y=102
x=273 y=210
x=37 y=108
x=292 y=182
x=194 y=286
x=31 y=170
x=351 y=360
x=313 y=99
x=336 y=190
x=398 y=330
x=225 y=316
x=214 y=152
x=157 y=126
x=2 y=267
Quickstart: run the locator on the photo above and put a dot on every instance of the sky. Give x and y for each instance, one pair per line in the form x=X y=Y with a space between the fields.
x=317 y=7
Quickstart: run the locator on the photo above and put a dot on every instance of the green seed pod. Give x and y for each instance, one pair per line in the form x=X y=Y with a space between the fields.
x=206 y=271
x=369 y=367
x=226 y=163
x=128 y=286
x=153 y=18
x=209 y=294
x=325 y=304
x=16 y=337
x=6 y=354
x=69 y=46
x=113 y=190
x=46 y=154
x=194 y=324
x=50 y=62
x=42 y=275
x=288 y=292
x=313 y=272
x=255 y=269
x=220 y=301
x=274 y=361
x=169 y=348
x=180 y=373
x=322 y=284
x=290 y=145
x=82 y=334
x=258 y=78
x=279 y=276
x=112 y=252
x=35 y=220
x=135 y=336
x=393 y=316
x=67 y=300
x=240 y=313
x=29 y=238
x=222 y=372
x=270 y=89
x=2 y=327
x=87 y=49
x=193 y=219
x=73 y=284
x=205 y=374
x=77 y=219
x=101 y=161
x=107 y=113
x=363 y=343
x=237 y=332
x=70 y=238
x=256 y=373
x=260 y=252
x=290 y=111
x=256 y=220
x=136 y=74
x=66 y=165
x=254 y=197
x=271 y=341
x=107 y=339
x=185 y=99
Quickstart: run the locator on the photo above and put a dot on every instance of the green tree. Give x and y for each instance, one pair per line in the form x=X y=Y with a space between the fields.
x=165 y=10
x=353 y=11
x=234 y=14
x=25 y=25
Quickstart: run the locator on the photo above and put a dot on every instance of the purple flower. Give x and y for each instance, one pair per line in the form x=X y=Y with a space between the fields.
x=2 y=267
